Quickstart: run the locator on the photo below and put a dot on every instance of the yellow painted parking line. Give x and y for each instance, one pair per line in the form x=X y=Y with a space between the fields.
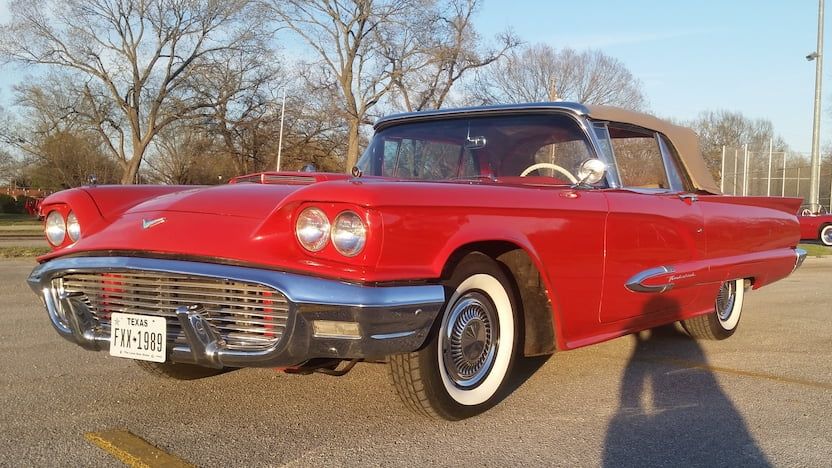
x=726 y=370
x=134 y=451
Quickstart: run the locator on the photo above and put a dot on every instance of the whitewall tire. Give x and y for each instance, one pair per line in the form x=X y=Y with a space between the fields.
x=723 y=321
x=468 y=359
x=826 y=235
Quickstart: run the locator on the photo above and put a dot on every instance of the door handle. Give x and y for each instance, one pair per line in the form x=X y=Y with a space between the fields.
x=688 y=197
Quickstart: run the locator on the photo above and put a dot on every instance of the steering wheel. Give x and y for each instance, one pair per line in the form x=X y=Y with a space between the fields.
x=537 y=166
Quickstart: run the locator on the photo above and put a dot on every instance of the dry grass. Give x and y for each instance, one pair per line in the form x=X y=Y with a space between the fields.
x=18 y=252
x=18 y=220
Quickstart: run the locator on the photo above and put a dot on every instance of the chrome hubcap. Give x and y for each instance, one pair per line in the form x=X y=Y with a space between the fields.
x=725 y=300
x=469 y=340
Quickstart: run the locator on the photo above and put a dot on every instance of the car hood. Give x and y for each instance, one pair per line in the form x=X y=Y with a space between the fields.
x=254 y=201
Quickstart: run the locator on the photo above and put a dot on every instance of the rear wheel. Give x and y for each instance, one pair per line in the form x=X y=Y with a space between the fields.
x=721 y=323
x=826 y=235
x=168 y=370
x=469 y=356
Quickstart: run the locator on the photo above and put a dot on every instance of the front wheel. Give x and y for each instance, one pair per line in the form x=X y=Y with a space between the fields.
x=468 y=357
x=721 y=323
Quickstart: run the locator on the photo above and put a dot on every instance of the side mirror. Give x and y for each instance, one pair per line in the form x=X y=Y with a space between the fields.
x=591 y=171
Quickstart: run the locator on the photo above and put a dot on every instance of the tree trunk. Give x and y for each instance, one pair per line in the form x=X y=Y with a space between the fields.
x=129 y=176
x=352 y=144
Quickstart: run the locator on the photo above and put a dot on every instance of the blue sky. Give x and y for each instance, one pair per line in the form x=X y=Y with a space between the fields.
x=741 y=55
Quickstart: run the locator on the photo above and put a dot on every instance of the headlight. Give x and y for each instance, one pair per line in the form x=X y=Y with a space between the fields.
x=312 y=229
x=72 y=227
x=55 y=228
x=348 y=234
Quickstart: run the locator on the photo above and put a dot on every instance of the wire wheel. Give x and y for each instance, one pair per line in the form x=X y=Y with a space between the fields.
x=468 y=343
x=725 y=300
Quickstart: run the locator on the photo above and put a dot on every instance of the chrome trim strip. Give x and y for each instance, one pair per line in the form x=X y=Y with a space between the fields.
x=149 y=223
x=800 y=255
x=611 y=174
x=390 y=336
x=297 y=288
x=635 y=283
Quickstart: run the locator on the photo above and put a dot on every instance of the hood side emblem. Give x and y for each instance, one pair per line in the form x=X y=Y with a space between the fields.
x=149 y=223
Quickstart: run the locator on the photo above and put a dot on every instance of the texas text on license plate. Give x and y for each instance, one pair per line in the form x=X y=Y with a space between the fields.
x=138 y=337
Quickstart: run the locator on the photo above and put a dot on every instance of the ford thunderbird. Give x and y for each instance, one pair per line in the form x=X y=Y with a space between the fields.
x=463 y=241
x=816 y=227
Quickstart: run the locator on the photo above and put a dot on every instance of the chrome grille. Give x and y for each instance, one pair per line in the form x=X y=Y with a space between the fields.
x=248 y=316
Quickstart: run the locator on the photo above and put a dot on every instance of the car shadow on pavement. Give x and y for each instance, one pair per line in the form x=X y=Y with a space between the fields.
x=673 y=414
x=524 y=368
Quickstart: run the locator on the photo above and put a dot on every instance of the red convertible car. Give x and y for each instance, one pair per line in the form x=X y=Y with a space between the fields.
x=464 y=240
x=816 y=227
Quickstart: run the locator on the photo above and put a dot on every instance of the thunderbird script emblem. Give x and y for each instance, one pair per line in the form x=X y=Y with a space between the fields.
x=149 y=223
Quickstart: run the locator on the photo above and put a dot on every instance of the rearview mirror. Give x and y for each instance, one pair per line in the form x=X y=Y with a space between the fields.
x=591 y=171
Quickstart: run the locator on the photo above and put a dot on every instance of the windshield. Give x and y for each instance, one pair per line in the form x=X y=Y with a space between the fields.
x=545 y=146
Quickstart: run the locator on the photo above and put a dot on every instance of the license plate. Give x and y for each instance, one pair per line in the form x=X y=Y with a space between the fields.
x=141 y=337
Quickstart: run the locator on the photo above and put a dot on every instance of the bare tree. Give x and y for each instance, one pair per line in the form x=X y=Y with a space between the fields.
x=315 y=131
x=128 y=59
x=8 y=166
x=346 y=37
x=184 y=154
x=65 y=159
x=541 y=73
x=244 y=94
x=450 y=48
x=721 y=127
x=57 y=149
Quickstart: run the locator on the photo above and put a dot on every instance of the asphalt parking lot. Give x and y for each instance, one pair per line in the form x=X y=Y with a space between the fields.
x=763 y=397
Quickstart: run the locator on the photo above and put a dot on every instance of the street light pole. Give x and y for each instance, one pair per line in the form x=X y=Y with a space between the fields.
x=814 y=178
x=280 y=138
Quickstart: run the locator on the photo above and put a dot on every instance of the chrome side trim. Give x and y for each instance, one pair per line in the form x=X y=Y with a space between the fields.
x=390 y=336
x=800 y=256
x=636 y=282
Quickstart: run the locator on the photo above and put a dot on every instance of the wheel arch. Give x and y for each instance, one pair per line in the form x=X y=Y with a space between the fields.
x=523 y=268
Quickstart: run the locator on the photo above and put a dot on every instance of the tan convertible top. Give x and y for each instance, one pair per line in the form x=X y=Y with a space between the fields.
x=683 y=139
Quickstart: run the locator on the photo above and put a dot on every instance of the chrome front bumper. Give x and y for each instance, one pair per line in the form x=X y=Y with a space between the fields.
x=390 y=319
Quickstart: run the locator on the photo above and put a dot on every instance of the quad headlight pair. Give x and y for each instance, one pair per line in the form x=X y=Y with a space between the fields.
x=58 y=228
x=347 y=232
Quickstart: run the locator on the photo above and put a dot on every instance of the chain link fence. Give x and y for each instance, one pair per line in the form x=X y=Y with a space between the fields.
x=773 y=173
